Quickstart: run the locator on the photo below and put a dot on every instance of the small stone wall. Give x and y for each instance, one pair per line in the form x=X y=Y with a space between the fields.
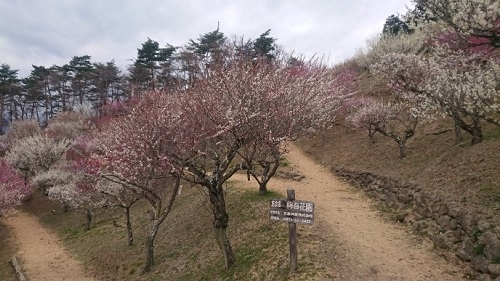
x=448 y=224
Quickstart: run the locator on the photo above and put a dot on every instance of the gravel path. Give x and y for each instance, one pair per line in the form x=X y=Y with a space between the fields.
x=367 y=246
x=40 y=254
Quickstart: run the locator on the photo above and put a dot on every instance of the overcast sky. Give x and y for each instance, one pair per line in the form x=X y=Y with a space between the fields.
x=48 y=32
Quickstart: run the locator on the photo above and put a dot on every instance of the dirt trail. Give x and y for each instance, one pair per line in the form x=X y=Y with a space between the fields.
x=40 y=253
x=368 y=246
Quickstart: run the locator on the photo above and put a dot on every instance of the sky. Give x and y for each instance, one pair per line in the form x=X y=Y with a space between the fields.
x=51 y=32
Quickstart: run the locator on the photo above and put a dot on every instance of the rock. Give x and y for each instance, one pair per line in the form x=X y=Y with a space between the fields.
x=494 y=269
x=444 y=221
x=492 y=245
x=453 y=209
x=484 y=277
x=483 y=225
x=404 y=198
x=480 y=263
x=466 y=251
x=453 y=224
x=468 y=223
x=441 y=242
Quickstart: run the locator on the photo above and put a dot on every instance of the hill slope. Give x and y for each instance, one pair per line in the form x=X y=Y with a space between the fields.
x=449 y=192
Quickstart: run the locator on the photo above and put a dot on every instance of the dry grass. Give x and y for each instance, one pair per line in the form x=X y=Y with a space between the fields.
x=185 y=247
x=6 y=252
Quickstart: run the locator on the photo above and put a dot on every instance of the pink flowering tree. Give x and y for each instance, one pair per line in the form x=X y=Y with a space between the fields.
x=118 y=193
x=196 y=134
x=12 y=189
x=135 y=150
x=395 y=119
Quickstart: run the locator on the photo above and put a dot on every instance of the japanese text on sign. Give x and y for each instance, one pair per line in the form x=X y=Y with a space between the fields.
x=292 y=211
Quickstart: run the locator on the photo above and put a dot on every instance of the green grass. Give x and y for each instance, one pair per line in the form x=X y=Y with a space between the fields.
x=479 y=249
x=284 y=162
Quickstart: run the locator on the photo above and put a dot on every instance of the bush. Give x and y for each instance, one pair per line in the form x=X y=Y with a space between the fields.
x=22 y=129
x=68 y=125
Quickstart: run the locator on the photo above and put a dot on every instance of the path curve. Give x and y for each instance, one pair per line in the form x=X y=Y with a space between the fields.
x=40 y=253
x=371 y=248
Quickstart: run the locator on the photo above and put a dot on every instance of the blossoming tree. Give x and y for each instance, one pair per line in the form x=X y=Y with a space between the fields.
x=134 y=150
x=12 y=189
x=461 y=85
x=244 y=104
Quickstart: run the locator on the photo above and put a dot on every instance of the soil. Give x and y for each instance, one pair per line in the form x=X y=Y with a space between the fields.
x=366 y=246
x=40 y=253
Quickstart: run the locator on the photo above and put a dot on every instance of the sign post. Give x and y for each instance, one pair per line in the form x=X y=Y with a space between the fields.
x=292 y=211
x=292 y=236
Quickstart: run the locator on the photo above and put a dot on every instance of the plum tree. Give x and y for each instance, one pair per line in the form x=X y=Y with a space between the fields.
x=12 y=188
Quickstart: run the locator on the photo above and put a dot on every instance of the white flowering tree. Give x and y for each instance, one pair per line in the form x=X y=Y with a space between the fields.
x=309 y=109
x=473 y=24
x=243 y=105
x=36 y=154
x=21 y=129
x=78 y=193
x=12 y=189
x=68 y=125
x=460 y=84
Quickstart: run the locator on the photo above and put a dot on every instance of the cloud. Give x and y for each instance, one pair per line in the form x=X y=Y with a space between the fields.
x=52 y=31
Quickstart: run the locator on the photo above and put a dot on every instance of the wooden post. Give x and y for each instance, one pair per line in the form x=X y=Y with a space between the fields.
x=292 y=237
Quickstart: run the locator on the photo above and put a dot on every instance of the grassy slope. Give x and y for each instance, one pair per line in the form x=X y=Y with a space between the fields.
x=7 y=250
x=185 y=247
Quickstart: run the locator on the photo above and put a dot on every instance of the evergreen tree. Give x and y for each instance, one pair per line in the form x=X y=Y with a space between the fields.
x=264 y=46
x=82 y=70
x=9 y=88
x=394 y=26
x=151 y=59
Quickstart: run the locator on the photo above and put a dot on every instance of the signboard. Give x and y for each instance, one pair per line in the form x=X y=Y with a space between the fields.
x=294 y=211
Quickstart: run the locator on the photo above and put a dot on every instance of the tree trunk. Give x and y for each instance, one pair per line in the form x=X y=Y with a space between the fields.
x=160 y=214
x=150 y=244
x=220 y=223
x=473 y=129
x=267 y=173
x=477 y=135
x=402 y=149
x=88 y=216
x=130 y=234
x=458 y=132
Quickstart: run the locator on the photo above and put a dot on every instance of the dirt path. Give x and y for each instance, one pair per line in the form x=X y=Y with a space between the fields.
x=368 y=247
x=40 y=253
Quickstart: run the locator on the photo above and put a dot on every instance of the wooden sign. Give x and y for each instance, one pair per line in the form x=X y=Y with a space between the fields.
x=294 y=211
